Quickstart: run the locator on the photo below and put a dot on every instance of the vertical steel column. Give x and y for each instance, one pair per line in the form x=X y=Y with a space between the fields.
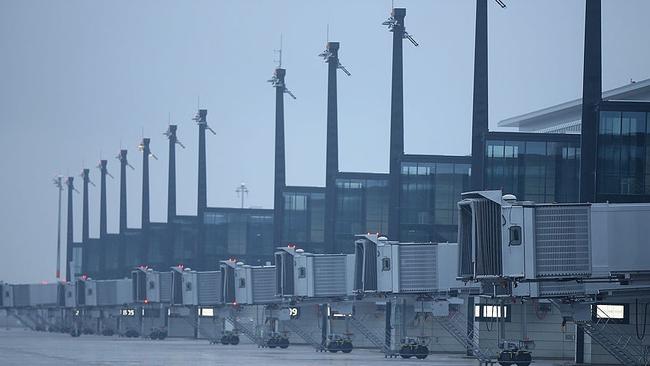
x=279 y=181
x=396 y=124
x=480 y=97
x=103 y=230
x=145 y=220
x=70 y=231
x=332 y=154
x=591 y=97
x=202 y=198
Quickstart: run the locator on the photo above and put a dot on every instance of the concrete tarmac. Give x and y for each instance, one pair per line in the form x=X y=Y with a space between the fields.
x=27 y=348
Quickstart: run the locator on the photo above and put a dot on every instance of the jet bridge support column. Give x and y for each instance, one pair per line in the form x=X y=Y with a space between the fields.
x=470 y=323
x=324 y=323
x=389 y=327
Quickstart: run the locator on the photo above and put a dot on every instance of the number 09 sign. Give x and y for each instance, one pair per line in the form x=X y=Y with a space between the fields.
x=294 y=312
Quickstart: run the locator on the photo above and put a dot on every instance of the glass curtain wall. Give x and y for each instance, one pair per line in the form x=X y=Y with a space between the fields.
x=431 y=188
x=533 y=166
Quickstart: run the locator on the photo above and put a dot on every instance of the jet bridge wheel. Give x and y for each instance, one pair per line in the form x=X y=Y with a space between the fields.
x=519 y=358
x=346 y=347
x=283 y=342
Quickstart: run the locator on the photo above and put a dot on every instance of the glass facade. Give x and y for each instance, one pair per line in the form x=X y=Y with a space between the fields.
x=431 y=188
x=304 y=218
x=361 y=207
x=623 y=153
x=538 y=167
x=246 y=234
x=185 y=234
x=533 y=166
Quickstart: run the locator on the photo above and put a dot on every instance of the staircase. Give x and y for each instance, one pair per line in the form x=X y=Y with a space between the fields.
x=318 y=346
x=626 y=348
x=26 y=321
x=373 y=337
x=249 y=332
x=456 y=325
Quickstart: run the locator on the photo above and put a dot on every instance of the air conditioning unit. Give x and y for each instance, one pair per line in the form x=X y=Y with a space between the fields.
x=303 y=274
x=391 y=267
x=209 y=288
x=255 y=285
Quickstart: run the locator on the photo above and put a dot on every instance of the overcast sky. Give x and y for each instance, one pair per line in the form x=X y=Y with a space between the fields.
x=79 y=79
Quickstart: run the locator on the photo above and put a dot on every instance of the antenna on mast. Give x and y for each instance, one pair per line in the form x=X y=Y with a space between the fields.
x=99 y=166
x=279 y=53
x=170 y=135
x=200 y=119
x=82 y=175
x=126 y=162
x=329 y=56
x=141 y=149
x=393 y=23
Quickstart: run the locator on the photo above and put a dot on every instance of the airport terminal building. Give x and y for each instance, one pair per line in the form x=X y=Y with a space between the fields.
x=416 y=201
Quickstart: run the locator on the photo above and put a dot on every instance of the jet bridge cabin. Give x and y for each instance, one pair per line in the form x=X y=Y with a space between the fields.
x=307 y=275
x=6 y=295
x=384 y=266
x=255 y=285
x=150 y=286
x=549 y=247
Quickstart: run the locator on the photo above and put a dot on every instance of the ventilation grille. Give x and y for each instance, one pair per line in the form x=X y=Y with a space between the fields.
x=165 y=287
x=561 y=288
x=562 y=241
x=418 y=268
x=209 y=286
x=329 y=275
x=263 y=285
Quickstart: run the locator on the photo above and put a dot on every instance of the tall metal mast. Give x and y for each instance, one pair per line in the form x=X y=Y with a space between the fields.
x=58 y=183
x=331 y=57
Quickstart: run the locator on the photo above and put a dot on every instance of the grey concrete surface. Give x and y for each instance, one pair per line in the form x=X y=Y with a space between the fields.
x=27 y=348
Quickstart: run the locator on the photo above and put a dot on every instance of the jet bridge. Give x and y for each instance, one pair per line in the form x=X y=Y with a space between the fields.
x=390 y=267
x=525 y=249
x=302 y=275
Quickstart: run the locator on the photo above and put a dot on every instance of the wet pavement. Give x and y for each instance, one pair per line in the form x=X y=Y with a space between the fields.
x=28 y=348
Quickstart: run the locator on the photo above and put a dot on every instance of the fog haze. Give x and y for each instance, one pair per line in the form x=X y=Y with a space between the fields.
x=80 y=79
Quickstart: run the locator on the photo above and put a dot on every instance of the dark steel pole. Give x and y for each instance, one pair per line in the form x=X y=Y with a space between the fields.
x=70 y=231
x=591 y=97
x=332 y=153
x=279 y=181
x=103 y=230
x=396 y=124
x=144 y=249
x=480 y=97
x=202 y=199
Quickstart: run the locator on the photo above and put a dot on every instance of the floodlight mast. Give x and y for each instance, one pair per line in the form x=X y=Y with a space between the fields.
x=394 y=24
x=243 y=190
x=277 y=80
x=330 y=55
x=58 y=183
x=103 y=230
